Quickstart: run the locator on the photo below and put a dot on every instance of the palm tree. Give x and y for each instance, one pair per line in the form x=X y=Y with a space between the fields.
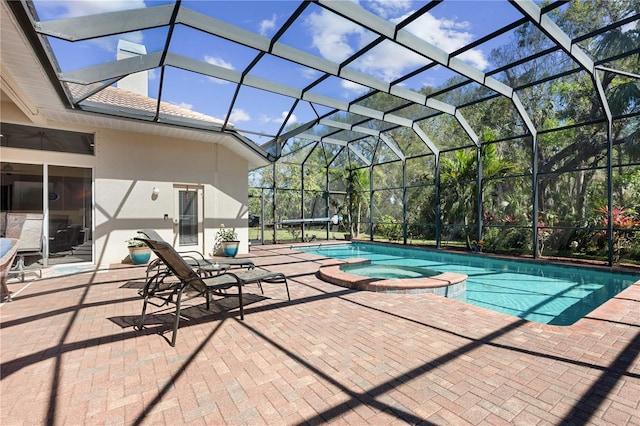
x=357 y=185
x=458 y=177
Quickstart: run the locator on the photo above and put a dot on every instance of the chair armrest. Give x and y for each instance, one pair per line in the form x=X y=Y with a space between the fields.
x=192 y=253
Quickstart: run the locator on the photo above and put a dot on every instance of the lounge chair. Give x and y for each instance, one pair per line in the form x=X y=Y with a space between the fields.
x=27 y=228
x=170 y=285
x=195 y=259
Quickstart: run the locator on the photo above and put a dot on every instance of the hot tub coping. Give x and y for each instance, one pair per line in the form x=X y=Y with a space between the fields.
x=435 y=284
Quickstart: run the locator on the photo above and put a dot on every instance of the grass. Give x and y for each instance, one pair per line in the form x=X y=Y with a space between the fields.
x=286 y=235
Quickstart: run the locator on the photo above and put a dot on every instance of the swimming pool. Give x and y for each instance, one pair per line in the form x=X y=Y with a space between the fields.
x=547 y=294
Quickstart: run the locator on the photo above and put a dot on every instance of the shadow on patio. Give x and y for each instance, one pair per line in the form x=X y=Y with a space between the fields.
x=70 y=354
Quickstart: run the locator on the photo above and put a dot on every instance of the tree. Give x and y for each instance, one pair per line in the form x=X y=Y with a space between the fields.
x=357 y=197
x=459 y=185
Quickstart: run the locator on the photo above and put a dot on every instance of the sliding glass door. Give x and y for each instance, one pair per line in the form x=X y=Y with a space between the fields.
x=62 y=197
x=70 y=219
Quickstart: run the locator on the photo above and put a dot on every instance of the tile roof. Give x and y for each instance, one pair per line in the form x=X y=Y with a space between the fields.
x=117 y=97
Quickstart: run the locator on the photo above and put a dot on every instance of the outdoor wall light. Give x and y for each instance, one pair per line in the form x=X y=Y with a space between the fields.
x=156 y=190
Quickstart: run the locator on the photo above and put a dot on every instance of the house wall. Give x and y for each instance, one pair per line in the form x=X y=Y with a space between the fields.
x=126 y=168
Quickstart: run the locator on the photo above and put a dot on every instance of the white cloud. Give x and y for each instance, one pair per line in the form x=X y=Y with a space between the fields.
x=449 y=36
x=218 y=61
x=267 y=25
x=89 y=7
x=354 y=87
x=310 y=73
x=474 y=57
x=292 y=119
x=279 y=120
x=75 y=8
x=331 y=35
x=238 y=115
x=185 y=105
x=221 y=63
x=388 y=61
x=336 y=39
x=386 y=8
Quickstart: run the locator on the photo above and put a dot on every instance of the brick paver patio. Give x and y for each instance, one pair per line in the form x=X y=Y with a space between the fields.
x=70 y=355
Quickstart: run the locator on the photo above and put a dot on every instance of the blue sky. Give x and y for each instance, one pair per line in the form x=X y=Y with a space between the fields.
x=448 y=26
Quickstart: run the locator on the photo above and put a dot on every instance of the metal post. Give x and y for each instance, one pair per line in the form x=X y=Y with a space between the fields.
x=479 y=208
x=275 y=226
x=534 y=194
x=326 y=191
x=610 y=229
x=262 y=216
x=607 y=112
x=438 y=205
x=404 y=201
x=302 y=227
x=371 y=202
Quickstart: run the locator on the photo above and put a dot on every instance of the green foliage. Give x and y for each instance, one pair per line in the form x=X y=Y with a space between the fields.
x=357 y=197
x=389 y=227
x=226 y=234
x=509 y=239
x=572 y=162
x=132 y=242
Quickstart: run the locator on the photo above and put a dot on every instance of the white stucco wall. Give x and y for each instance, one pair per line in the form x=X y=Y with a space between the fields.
x=126 y=168
x=129 y=166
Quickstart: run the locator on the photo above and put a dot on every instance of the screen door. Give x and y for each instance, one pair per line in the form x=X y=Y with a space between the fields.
x=188 y=218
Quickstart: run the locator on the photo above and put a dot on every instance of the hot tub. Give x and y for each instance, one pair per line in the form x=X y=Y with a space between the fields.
x=362 y=275
x=388 y=271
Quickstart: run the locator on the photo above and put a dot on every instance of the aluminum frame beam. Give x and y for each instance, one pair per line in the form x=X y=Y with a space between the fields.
x=127 y=21
x=372 y=22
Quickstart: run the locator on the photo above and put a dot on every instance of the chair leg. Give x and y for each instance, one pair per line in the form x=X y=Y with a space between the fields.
x=155 y=264
x=286 y=284
x=144 y=312
x=20 y=267
x=240 y=301
x=5 y=290
x=280 y=278
x=177 y=321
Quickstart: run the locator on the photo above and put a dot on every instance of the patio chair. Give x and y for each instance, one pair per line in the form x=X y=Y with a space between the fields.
x=8 y=250
x=169 y=286
x=3 y=223
x=27 y=228
x=195 y=259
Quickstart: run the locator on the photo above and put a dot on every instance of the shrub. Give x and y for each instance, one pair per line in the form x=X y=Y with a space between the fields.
x=389 y=227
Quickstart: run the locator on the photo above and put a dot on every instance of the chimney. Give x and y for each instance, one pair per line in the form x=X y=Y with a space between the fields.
x=138 y=82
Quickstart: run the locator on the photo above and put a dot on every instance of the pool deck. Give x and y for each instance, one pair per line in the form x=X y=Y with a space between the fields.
x=332 y=355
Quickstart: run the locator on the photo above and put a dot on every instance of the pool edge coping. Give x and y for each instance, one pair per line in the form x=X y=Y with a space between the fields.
x=587 y=324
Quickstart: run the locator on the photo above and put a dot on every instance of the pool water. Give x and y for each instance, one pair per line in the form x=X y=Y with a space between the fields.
x=547 y=294
x=388 y=271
